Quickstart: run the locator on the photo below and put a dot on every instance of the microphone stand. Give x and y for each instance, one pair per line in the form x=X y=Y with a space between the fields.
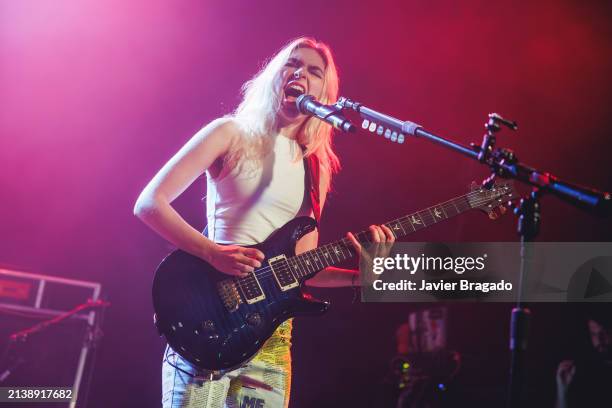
x=24 y=334
x=502 y=162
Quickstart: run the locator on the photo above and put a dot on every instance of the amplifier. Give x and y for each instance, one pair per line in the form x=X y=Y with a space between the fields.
x=58 y=355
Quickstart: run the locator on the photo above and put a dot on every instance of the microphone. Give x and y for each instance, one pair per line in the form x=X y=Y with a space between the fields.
x=308 y=105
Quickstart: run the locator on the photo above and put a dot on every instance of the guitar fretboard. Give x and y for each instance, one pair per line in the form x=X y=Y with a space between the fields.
x=288 y=272
x=339 y=251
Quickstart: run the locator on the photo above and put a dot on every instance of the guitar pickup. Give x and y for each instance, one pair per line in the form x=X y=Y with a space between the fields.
x=251 y=289
x=282 y=273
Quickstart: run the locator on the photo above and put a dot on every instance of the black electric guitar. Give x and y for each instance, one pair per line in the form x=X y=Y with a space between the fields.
x=218 y=322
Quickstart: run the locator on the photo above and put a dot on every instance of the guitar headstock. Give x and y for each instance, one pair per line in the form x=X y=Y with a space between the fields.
x=493 y=201
x=390 y=134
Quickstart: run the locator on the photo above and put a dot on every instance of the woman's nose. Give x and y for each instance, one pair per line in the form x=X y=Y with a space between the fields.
x=298 y=73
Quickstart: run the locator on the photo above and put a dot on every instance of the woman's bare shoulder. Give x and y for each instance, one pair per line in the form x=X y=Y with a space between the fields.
x=224 y=131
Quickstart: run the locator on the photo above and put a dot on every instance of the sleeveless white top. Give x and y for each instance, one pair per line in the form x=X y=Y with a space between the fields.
x=247 y=205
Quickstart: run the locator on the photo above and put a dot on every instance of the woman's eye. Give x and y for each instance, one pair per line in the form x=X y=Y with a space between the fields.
x=317 y=74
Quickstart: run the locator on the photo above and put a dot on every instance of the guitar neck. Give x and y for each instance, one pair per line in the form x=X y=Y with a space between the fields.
x=339 y=251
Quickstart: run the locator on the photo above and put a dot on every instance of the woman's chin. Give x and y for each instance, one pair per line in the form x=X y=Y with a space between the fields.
x=289 y=112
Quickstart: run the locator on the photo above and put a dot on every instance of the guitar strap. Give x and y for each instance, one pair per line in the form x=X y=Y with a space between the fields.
x=311 y=165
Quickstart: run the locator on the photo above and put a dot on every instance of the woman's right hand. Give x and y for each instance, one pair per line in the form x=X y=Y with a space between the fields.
x=235 y=260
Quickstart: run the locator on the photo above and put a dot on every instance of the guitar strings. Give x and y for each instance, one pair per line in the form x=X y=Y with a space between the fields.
x=263 y=272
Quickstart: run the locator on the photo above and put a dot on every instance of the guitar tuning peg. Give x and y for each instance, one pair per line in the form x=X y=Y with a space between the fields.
x=493 y=215
x=372 y=127
x=394 y=136
x=379 y=130
x=365 y=124
x=400 y=138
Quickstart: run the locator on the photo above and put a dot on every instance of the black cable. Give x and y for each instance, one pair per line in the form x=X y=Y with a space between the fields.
x=166 y=359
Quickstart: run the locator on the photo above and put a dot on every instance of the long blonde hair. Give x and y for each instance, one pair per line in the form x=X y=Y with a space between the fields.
x=262 y=97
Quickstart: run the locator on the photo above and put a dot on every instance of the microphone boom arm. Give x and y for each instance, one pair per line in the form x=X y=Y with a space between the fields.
x=502 y=162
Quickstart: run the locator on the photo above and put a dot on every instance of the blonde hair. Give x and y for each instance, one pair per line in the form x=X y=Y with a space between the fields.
x=257 y=116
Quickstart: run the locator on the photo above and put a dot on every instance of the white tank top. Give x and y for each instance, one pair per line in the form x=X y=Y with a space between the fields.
x=245 y=206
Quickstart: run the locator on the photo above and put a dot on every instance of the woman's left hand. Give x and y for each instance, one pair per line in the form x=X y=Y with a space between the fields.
x=382 y=239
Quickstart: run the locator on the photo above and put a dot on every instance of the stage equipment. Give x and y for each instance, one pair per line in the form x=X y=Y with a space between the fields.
x=504 y=163
x=424 y=367
x=50 y=327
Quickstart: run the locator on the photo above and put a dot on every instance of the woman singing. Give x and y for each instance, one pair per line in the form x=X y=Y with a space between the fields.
x=255 y=172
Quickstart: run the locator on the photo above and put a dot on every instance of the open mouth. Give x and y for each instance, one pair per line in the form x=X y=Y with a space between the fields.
x=294 y=89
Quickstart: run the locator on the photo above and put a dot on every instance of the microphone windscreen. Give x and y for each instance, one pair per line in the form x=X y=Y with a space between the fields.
x=300 y=102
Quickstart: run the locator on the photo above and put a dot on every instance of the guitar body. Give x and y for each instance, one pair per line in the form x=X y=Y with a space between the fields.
x=198 y=311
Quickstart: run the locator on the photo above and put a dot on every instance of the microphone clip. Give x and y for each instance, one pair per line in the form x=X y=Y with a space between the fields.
x=331 y=114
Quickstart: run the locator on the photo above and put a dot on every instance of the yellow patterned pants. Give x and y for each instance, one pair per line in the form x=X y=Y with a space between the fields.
x=265 y=382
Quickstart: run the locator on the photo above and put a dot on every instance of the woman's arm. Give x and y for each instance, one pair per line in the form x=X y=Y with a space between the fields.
x=332 y=277
x=154 y=209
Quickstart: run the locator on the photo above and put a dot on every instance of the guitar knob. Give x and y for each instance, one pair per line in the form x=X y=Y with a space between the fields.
x=253 y=319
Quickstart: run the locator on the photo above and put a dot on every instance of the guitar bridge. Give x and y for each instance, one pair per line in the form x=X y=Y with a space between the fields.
x=228 y=292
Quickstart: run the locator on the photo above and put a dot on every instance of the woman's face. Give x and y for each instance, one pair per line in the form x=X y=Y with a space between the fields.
x=303 y=74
